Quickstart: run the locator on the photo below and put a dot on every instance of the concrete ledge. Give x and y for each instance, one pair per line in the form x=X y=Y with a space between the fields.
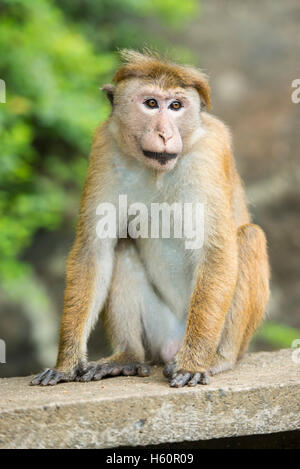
x=262 y=395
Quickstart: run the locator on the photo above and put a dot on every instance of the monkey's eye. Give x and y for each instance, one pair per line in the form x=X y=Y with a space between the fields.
x=151 y=103
x=175 y=105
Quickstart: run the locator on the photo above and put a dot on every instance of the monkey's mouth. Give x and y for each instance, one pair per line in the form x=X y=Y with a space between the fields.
x=162 y=158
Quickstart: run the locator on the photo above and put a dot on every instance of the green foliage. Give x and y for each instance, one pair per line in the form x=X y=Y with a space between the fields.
x=51 y=73
x=278 y=335
x=114 y=24
x=53 y=57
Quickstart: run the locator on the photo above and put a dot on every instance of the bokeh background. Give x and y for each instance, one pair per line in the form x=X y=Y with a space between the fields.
x=54 y=55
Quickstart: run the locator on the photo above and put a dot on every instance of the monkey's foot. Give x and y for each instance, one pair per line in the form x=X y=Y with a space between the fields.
x=221 y=364
x=50 y=377
x=97 y=371
x=180 y=378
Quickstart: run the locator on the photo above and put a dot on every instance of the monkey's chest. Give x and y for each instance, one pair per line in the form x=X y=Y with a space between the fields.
x=170 y=269
x=167 y=234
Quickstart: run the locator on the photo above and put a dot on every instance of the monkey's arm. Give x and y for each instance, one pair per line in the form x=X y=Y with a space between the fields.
x=88 y=277
x=87 y=281
x=210 y=300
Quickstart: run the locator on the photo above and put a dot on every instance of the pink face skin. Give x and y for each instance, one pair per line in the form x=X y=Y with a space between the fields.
x=155 y=123
x=161 y=110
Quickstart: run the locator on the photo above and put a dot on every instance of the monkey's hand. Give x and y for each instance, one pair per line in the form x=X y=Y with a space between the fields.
x=179 y=377
x=52 y=376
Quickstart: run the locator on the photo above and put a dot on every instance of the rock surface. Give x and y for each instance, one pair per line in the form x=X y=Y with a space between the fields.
x=262 y=395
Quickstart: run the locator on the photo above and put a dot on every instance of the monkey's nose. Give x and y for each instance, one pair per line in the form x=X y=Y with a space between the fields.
x=165 y=137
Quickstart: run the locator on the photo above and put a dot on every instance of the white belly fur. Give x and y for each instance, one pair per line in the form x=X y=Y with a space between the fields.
x=170 y=270
x=169 y=266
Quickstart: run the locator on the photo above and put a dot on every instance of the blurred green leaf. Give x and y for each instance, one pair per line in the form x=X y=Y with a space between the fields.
x=54 y=55
x=278 y=335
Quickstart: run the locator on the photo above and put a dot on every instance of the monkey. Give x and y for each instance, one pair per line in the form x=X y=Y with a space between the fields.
x=192 y=310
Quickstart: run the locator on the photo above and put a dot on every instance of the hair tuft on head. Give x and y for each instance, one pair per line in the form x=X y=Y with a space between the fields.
x=150 y=66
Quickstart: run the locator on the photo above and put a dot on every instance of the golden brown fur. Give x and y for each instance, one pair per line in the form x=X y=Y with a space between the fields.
x=168 y=75
x=229 y=276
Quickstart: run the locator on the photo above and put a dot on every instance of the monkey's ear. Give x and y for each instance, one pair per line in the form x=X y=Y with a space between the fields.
x=109 y=90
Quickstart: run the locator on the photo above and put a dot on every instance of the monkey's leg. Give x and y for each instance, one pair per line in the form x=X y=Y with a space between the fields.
x=122 y=320
x=138 y=323
x=249 y=301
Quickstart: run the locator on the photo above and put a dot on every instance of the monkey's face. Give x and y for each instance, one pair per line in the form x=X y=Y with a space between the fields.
x=154 y=124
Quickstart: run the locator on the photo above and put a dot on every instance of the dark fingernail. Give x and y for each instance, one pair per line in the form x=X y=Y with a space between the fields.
x=143 y=370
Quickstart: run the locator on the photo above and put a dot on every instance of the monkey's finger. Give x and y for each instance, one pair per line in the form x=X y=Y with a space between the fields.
x=45 y=381
x=37 y=380
x=130 y=370
x=195 y=379
x=204 y=379
x=116 y=370
x=105 y=370
x=87 y=376
x=84 y=368
x=57 y=377
x=180 y=379
x=143 y=370
x=168 y=370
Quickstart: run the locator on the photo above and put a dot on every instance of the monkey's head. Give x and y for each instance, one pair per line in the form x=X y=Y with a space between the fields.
x=155 y=108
